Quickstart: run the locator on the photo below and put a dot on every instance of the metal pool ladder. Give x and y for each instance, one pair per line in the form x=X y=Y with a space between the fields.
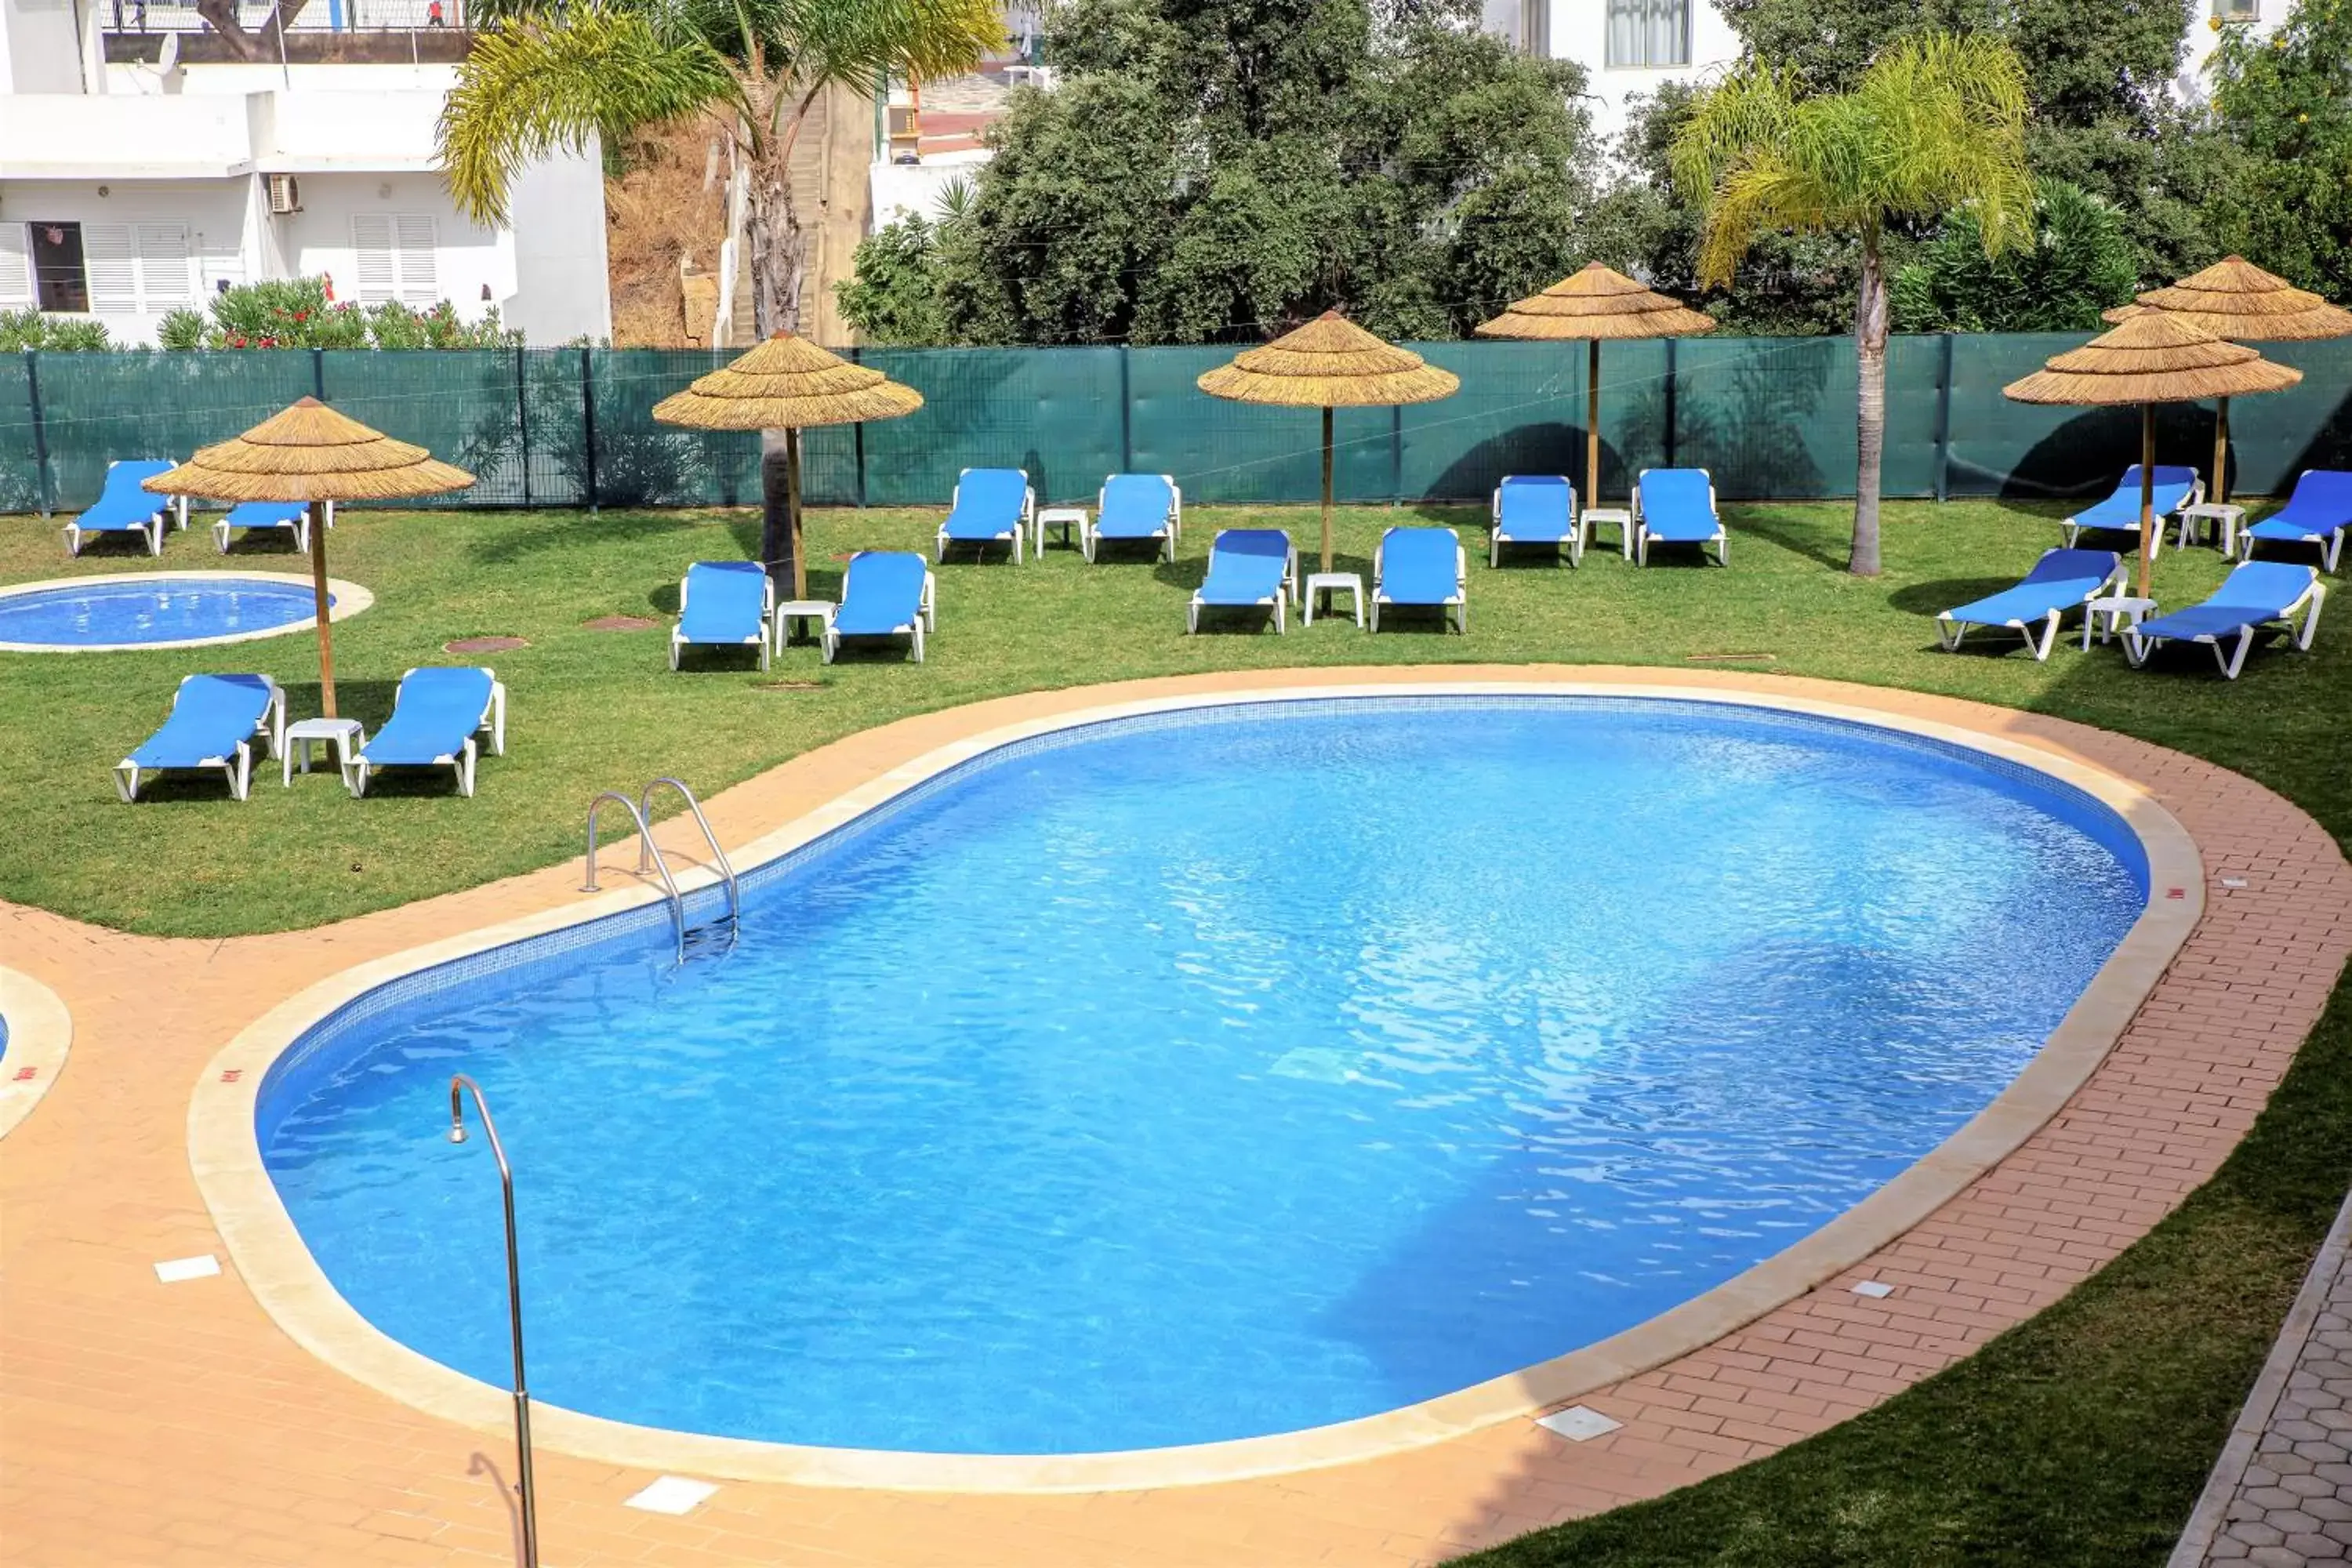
x=650 y=858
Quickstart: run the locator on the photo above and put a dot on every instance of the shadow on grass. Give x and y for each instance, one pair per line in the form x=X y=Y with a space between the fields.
x=517 y=540
x=1806 y=542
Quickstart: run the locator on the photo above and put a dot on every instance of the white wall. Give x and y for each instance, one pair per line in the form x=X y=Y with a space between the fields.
x=214 y=211
x=467 y=258
x=1580 y=32
x=561 y=289
x=899 y=189
x=47 y=46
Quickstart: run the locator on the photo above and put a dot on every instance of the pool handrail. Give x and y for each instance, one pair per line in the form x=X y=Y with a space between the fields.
x=648 y=852
x=646 y=836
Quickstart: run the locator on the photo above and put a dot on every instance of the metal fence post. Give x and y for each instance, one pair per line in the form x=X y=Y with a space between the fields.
x=1396 y=455
x=522 y=424
x=1943 y=418
x=588 y=426
x=1125 y=417
x=319 y=374
x=1671 y=393
x=40 y=437
x=857 y=441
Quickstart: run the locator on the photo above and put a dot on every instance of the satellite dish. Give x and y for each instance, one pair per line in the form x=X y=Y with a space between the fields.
x=169 y=60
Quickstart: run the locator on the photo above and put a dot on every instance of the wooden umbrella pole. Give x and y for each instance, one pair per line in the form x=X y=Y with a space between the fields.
x=319 y=595
x=1591 y=424
x=2147 y=493
x=792 y=512
x=1327 y=490
x=2221 y=453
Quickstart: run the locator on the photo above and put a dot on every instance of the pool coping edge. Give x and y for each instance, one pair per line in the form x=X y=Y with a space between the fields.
x=348 y=599
x=280 y=1269
x=41 y=1036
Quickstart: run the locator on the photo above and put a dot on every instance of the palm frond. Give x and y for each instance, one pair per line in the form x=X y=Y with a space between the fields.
x=1764 y=193
x=1750 y=108
x=545 y=85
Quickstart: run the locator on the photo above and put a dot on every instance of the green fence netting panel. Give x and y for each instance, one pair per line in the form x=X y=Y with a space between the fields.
x=1054 y=413
x=98 y=408
x=20 y=472
x=1770 y=418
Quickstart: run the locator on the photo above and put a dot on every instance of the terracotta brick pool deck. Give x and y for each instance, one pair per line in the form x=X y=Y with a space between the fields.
x=152 y=1424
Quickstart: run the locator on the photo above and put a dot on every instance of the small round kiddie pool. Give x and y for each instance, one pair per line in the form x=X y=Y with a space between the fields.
x=144 y=610
x=1212 y=1073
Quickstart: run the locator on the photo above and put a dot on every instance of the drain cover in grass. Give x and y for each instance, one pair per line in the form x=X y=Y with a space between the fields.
x=620 y=624
x=484 y=645
x=788 y=686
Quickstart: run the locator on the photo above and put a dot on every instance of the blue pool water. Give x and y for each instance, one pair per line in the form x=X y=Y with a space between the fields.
x=170 y=610
x=1203 y=1077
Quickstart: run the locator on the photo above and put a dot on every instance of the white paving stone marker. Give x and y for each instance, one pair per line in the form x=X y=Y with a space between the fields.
x=673 y=1494
x=1578 y=1423
x=179 y=1269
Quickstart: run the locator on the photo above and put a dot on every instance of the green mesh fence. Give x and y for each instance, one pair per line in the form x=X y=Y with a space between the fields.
x=1772 y=418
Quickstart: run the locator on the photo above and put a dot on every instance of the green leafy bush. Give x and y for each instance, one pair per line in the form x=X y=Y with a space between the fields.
x=2079 y=262
x=296 y=313
x=29 y=329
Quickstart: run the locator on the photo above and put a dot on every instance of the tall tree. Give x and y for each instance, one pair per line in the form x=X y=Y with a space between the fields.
x=2283 y=105
x=1937 y=123
x=555 y=75
x=1220 y=169
x=2076 y=263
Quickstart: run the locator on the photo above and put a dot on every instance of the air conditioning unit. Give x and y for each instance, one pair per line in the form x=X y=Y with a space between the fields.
x=2237 y=11
x=285 y=194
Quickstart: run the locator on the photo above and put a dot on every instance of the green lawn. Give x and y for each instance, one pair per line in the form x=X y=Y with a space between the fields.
x=2080 y=1437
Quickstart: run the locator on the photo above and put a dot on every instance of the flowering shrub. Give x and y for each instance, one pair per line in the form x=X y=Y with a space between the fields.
x=297 y=313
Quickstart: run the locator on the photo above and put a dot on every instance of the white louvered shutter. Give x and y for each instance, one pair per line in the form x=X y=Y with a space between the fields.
x=15 y=266
x=110 y=259
x=378 y=273
x=163 y=279
x=419 y=279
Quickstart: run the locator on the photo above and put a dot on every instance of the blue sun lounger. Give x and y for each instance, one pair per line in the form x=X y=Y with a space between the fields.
x=122 y=507
x=1249 y=568
x=2319 y=512
x=1421 y=568
x=990 y=506
x=212 y=723
x=2176 y=488
x=724 y=603
x=2255 y=595
x=884 y=594
x=2061 y=580
x=1677 y=506
x=1137 y=507
x=1536 y=509
x=436 y=714
x=288 y=514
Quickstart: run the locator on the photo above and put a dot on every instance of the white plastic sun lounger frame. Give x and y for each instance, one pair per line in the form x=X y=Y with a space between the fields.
x=1284 y=593
x=2330 y=545
x=494 y=719
x=2070 y=532
x=1948 y=632
x=1459 y=604
x=926 y=618
x=1020 y=526
x=300 y=525
x=170 y=511
x=2136 y=647
x=1089 y=530
x=1721 y=538
x=237 y=767
x=1579 y=532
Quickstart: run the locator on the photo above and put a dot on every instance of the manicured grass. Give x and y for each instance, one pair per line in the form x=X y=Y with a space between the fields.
x=2080 y=1437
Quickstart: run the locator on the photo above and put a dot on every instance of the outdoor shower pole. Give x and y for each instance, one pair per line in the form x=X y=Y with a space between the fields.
x=514 y=1307
x=318 y=515
x=1591 y=424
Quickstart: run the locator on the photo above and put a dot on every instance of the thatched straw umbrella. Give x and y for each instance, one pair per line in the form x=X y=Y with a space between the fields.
x=2236 y=300
x=1330 y=363
x=788 y=384
x=1595 y=304
x=2153 y=358
x=309 y=453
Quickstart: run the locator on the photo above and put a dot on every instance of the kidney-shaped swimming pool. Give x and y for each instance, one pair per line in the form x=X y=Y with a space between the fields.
x=1211 y=1074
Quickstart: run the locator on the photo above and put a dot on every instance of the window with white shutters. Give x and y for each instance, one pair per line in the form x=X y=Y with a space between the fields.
x=111 y=259
x=396 y=259
x=15 y=266
x=163 y=276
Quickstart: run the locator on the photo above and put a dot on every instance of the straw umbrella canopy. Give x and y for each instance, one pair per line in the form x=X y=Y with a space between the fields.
x=1596 y=304
x=788 y=384
x=2155 y=357
x=2236 y=300
x=309 y=453
x=1330 y=363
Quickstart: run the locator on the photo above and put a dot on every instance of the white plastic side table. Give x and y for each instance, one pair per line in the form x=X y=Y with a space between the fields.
x=1346 y=583
x=1061 y=519
x=1618 y=517
x=348 y=735
x=790 y=610
x=2115 y=611
x=2230 y=517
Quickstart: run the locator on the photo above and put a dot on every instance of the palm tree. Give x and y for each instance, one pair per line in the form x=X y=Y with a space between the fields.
x=548 y=76
x=1936 y=124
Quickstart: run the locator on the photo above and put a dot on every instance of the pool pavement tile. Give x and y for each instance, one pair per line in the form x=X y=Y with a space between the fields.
x=116 y=1424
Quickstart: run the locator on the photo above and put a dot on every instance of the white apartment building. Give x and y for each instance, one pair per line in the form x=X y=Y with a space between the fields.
x=1629 y=46
x=129 y=190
